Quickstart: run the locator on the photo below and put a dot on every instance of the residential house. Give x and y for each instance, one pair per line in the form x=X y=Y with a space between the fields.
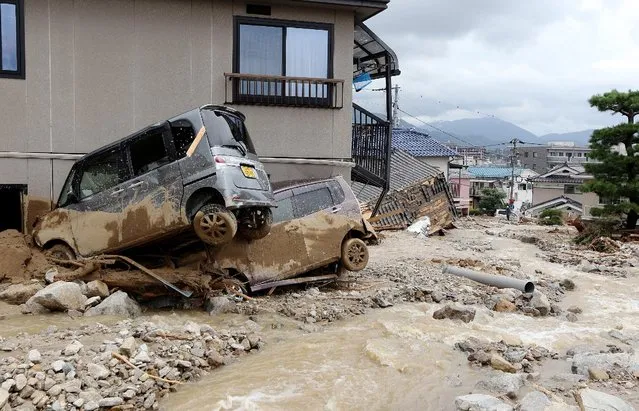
x=425 y=148
x=416 y=190
x=570 y=207
x=545 y=158
x=563 y=182
x=500 y=177
x=76 y=75
x=459 y=181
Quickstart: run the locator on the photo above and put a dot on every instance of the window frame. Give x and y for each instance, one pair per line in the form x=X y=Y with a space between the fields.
x=309 y=189
x=123 y=167
x=167 y=140
x=284 y=24
x=20 y=73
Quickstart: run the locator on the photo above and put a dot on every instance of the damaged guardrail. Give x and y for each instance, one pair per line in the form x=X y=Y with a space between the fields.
x=490 y=279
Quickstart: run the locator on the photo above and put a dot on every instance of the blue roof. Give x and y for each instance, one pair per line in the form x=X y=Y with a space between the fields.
x=493 y=172
x=420 y=144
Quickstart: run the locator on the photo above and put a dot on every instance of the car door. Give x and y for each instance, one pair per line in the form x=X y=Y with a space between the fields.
x=96 y=213
x=323 y=227
x=153 y=196
x=282 y=253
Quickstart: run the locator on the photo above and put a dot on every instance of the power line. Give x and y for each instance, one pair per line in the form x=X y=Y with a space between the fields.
x=440 y=130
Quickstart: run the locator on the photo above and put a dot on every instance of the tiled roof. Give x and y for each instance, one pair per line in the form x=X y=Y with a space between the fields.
x=420 y=144
x=556 y=202
x=405 y=171
x=493 y=172
x=559 y=179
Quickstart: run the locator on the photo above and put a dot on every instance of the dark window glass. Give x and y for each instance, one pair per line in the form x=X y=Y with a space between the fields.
x=183 y=136
x=148 y=152
x=312 y=201
x=100 y=173
x=569 y=189
x=227 y=130
x=260 y=52
x=336 y=192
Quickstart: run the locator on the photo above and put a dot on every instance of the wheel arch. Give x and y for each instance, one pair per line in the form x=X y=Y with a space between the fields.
x=199 y=198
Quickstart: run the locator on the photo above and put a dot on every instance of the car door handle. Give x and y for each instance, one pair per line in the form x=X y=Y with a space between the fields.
x=136 y=185
x=335 y=209
x=116 y=192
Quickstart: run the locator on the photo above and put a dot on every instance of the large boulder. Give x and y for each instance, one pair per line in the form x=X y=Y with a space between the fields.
x=466 y=314
x=504 y=383
x=480 y=402
x=534 y=401
x=60 y=296
x=20 y=293
x=581 y=363
x=119 y=304
x=540 y=302
x=600 y=401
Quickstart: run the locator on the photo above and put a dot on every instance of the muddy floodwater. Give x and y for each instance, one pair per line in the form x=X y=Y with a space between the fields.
x=400 y=357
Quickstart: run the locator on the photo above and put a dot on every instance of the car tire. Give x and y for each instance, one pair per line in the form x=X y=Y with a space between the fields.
x=264 y=219
x=61 y=252
x=354 y=254
x=214 y=224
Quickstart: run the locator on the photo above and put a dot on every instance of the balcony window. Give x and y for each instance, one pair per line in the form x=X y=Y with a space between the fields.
x=11 y=39
x=283 y=63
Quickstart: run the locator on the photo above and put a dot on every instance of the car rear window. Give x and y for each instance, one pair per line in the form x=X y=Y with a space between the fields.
x=226 y=130
x=312 y=201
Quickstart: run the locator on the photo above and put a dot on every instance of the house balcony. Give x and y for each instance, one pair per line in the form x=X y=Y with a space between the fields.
x=370 y=147
x=285 y=91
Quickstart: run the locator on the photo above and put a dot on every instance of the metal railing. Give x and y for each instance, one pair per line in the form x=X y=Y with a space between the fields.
x=370 y=142
x=283 y=91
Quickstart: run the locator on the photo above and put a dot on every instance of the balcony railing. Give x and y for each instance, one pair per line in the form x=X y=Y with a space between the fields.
x=370 y=147
x=283 y=91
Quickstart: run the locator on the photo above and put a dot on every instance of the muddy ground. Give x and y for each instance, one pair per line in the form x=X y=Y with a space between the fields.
x=583 y=307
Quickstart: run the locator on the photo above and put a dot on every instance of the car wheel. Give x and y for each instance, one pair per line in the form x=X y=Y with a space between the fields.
x=61 y=252
x=354 y=254
x=214 y=224
x=260 y=225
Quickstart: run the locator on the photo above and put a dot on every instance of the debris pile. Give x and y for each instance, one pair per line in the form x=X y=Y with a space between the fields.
x=130 y=365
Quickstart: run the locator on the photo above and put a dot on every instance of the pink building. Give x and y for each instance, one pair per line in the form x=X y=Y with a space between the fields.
x=459 y=181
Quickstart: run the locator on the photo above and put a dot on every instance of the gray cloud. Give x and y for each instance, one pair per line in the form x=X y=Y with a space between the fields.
x=532 y=63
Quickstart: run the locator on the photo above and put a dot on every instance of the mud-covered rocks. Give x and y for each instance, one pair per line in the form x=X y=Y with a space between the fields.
x=453 y=312
x=505 y=306
x=117 y=304
x=534 y=401
x=20 y=293
x=608 y=362
x=597 y=400
x=480 y=402
x=60 y=296
x=500 y=363
x=540 y=302
x=219 y=305
x=97 y=288
x=503 y=383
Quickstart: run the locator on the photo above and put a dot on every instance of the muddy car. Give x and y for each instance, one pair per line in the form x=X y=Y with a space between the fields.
x=316 y=225
x=197 y=171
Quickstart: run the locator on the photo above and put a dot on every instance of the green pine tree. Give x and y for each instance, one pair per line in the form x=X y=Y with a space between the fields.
x=615 y=175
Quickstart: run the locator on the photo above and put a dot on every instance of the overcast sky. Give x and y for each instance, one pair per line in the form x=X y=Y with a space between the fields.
x=533 y=63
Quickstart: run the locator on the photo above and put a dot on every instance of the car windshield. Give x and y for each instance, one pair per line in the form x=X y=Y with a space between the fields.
x=227 y=130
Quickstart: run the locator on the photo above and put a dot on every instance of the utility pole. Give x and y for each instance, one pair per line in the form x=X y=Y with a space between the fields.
x=396 y=115
x=513 y=157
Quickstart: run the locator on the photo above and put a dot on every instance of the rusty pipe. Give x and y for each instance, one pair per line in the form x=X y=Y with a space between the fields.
x=498 y=281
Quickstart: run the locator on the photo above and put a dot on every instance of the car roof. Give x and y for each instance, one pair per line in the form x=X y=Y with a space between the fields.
x=288 y=184
x=116 y=143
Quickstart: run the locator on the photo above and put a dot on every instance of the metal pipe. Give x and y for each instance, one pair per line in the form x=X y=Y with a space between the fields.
x=498 y=281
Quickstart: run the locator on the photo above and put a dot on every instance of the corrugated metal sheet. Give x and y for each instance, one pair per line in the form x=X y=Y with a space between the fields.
x=405 y=171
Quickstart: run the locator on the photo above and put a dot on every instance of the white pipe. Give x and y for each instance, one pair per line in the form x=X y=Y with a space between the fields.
x=42 y=156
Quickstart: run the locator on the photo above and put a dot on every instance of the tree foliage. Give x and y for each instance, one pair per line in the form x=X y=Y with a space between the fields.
x=615 y=175
x=626 y=104
x=551 y=216
x=491 y=200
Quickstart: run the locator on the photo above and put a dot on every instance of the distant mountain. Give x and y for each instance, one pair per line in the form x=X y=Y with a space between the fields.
x=478 y=131
x=582 y=138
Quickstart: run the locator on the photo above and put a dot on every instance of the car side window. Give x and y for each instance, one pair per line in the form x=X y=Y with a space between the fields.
x=100 y=173
x=336 y=191
x=312 y=201
x=183 y=136
x=148 y=152
x=67 y=189
x=284 y=210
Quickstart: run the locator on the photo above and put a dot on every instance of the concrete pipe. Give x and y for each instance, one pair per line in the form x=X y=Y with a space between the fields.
x=498 y=281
